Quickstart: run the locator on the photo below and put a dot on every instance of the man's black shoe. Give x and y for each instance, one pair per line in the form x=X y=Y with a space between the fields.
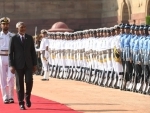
x=22 y=107
x=44 y=79
x=6 y=101
x=11 y=100
x=28 y=103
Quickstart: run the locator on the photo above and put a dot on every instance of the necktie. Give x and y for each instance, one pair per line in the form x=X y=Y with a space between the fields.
x=22 y=39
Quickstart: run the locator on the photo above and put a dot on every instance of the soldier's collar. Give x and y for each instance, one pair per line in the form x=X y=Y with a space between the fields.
x=2 y=33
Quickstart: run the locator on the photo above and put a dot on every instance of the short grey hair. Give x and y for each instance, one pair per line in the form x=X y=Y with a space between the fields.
x=18 y=24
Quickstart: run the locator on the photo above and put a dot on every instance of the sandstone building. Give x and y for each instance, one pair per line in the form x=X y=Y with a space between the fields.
x=78 y=14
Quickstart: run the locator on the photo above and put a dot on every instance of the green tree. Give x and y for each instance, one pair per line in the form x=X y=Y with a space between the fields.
x=148 y=20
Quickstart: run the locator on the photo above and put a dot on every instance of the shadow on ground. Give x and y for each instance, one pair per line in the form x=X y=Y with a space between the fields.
x=100 y=110
x=70 y=104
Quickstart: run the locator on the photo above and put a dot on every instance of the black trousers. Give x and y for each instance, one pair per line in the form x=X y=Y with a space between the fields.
x=39 y=63
x=21 y=75
x=146 y=73
x=129 y=69
x=138 y=70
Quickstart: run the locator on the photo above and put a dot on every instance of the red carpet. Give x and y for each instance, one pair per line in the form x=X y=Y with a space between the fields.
x=39 y=105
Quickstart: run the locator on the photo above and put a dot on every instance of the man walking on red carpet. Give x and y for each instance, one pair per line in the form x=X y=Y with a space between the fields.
x=6 y=77
x=22 y=62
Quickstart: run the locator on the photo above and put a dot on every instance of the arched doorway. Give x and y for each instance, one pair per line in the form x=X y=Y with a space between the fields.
x=148 y=7
x=125 y=13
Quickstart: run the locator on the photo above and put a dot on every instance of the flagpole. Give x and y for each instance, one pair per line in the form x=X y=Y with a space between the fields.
x=35 y=33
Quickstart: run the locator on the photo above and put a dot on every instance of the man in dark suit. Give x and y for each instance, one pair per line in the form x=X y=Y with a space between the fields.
x=22 y=62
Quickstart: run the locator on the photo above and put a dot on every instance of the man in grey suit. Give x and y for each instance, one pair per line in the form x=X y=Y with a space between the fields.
x=22 y=62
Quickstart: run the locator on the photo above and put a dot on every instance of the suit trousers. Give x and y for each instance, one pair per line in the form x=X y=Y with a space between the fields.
x=21 y=75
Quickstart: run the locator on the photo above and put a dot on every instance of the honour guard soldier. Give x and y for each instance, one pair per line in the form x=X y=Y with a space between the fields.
x=113 y=75
x=44 y=54
x=136 y=58
x=50 y=46
x=117 y=58
x=81 y=59
x=145 y=61
x=108 y=55
x=6 y=77
x=71 y=35
x=75 y=56
x=131 y=54
x=101 y=61
x=87 y=56
x=37 y=40
x=92 y=55
x=104 y=49
x=127 y=57
x=148 y=78
x=96 y=56
x=122 y=37
x=66 y=56
x=140 y=78
x=50 y=39
x=59 y=36
x=53 y=55
x=84 y=60
x=78 y=68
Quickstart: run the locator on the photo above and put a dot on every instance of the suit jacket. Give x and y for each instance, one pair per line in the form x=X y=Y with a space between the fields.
x=21 y=54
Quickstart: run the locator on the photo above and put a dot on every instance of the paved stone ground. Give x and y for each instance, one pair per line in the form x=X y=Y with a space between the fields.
x=89 y=98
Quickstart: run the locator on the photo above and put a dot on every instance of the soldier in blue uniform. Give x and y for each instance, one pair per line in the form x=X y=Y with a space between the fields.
x=148 y=51
x=145 y=61
x=122 y=37
x=133 y=38
x=135 y=59
x=141 y=54
x=127 y=56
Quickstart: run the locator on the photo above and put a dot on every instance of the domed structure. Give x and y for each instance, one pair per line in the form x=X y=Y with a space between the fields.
x=60 y=27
